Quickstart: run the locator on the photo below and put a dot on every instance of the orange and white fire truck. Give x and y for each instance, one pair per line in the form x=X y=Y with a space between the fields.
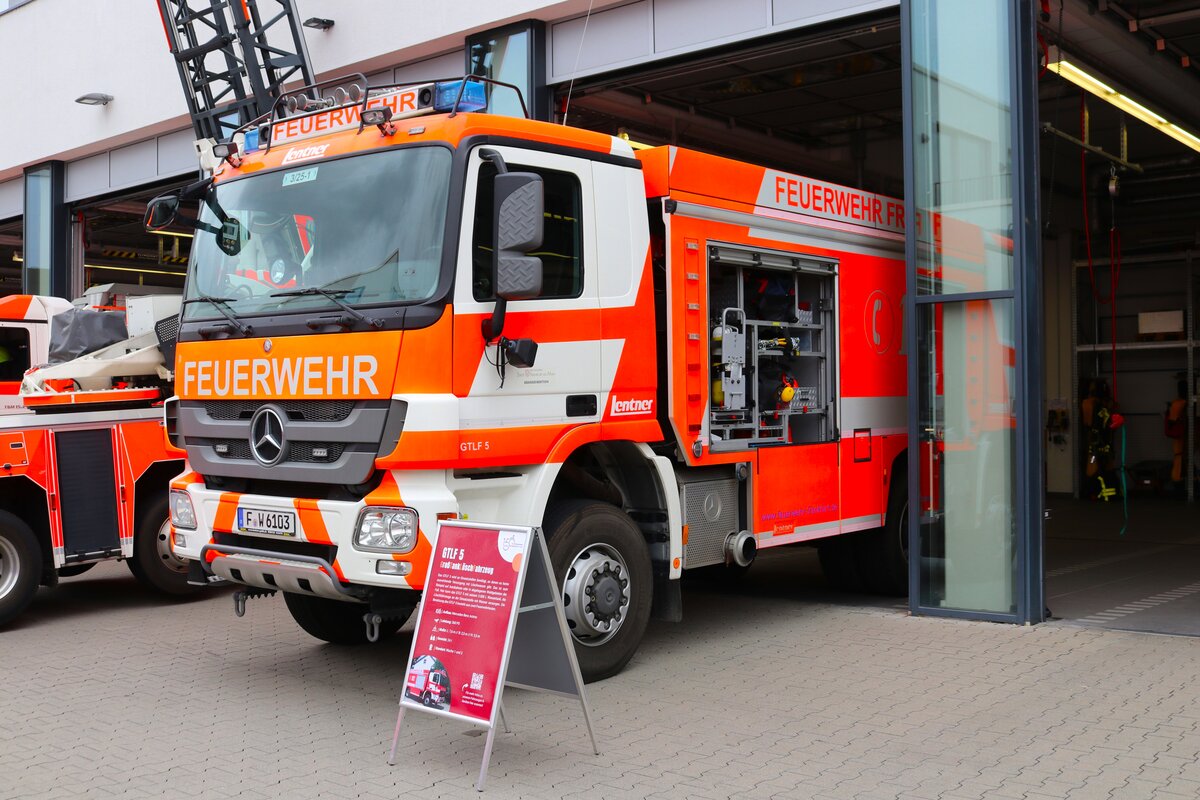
x=428 y=682
x=85 y=479
x=666 y=359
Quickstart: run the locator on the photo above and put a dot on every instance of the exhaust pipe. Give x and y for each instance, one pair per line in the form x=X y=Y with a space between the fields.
x=740 y=548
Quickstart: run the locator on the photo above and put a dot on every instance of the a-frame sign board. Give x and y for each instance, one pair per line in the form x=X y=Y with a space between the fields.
x=491 y=617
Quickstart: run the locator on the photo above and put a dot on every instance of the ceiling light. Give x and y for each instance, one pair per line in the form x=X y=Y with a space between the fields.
x=318 y=23
x=1090 y=83
x=94 y=99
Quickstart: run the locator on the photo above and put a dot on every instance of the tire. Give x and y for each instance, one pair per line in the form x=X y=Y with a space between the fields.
x=71 y=570
x=882 y=554
x=335 y=621
x=153 y=563
x=595 y=545
x=839 y=563
x=20 y=566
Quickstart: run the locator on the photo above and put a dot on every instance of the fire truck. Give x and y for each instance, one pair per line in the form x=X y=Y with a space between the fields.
x=401 y=309
x=84 y=478
x=428 y=682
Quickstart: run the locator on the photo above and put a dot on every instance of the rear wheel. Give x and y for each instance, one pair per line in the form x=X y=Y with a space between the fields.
x=839 y=564
x=154 y=563
x=883 y=552
x=600 y=559
x=20 y=566
x=335 y=621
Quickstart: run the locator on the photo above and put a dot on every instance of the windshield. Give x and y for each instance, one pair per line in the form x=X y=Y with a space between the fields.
x=367 y=228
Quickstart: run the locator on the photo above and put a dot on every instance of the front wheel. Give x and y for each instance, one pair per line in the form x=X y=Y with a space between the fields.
x=600 y=558
x=335 y=621
x=20 y=566
x=154 y=562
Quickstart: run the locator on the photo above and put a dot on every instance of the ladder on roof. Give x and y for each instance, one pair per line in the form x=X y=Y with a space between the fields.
x=230 y=70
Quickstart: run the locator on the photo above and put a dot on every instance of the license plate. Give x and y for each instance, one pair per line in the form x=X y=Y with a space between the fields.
x=259 y=520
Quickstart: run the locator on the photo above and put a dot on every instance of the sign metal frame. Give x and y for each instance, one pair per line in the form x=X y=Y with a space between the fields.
x=523 y=619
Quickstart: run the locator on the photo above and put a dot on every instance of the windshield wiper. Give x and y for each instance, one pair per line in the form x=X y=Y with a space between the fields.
x=334 y=295
x=222 y=304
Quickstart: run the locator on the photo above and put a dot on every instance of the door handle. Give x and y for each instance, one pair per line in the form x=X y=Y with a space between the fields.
x=581 y=405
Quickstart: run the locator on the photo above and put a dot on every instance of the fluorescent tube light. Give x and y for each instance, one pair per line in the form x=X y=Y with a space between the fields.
x=1090 y=83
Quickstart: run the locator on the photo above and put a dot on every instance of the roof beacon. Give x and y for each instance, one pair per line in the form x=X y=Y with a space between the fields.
x=474 y=97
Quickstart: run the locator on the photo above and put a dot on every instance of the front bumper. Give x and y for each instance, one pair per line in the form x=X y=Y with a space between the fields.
x=321 y=558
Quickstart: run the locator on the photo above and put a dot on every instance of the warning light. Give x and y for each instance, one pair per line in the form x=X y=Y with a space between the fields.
x=474 y=98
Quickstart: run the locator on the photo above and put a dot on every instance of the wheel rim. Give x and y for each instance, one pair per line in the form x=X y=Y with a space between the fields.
x=10 y=566
x=162 y=546
x=596 y=594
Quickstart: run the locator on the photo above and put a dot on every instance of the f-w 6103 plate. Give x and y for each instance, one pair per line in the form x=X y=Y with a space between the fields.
x=261 y=520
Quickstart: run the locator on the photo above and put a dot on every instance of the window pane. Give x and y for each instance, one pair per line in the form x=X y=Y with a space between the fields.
x=962 y=145
x=38 y=212
x=14 y=353
x=368 y=229
x=966 y=382
x=504 y=58
x=562 y=245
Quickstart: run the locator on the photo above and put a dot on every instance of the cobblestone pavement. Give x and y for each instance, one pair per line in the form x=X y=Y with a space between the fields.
x=770 y=688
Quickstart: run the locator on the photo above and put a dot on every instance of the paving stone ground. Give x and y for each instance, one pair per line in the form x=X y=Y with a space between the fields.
x=772 y=687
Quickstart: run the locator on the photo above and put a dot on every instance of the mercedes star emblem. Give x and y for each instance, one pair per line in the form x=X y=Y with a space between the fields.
x=266 y=345
x=266 y=436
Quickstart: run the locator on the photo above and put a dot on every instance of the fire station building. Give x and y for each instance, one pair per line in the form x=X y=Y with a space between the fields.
x=1067 y=130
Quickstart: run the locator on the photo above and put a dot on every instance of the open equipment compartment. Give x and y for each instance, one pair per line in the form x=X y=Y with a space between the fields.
x=772 y=335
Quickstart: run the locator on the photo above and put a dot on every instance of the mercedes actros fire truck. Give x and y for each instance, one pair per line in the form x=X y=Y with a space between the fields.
x=400 y=309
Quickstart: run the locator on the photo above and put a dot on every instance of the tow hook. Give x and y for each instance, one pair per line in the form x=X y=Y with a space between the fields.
x=372 y=621
x=240 y=598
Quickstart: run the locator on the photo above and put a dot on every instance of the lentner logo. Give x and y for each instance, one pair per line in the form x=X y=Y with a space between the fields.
x=632 y=407
x=302 y=153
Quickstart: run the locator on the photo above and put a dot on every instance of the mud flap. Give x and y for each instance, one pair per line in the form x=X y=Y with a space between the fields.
x=667 y=605
x=198 y=577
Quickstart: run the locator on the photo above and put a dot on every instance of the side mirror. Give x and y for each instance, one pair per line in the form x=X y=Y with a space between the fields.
x=161 y=211
x=518 y=224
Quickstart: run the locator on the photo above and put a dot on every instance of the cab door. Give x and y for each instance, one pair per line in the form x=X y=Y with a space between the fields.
x=507 y=414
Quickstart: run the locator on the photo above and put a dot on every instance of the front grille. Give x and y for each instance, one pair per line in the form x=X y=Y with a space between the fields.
x=351 y=433
x=296 y=451
x=296 y=410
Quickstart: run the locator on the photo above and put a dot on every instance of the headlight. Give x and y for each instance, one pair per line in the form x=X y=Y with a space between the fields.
x=183 y=515
x=391 y=529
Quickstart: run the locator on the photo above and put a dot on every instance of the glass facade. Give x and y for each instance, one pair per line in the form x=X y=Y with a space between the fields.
x=972 y=274
x=503 y=58
x=42 y=199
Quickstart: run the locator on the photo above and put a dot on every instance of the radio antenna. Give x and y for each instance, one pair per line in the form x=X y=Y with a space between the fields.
x=579 y=52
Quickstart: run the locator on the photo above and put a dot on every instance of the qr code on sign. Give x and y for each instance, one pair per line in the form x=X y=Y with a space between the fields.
x=477 y=680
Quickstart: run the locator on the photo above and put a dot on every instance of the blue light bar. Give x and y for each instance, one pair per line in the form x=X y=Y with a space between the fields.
x=474 y=97
x=251 y=142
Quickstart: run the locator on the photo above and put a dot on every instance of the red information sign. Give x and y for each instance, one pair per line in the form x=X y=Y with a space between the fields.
x=466 y=619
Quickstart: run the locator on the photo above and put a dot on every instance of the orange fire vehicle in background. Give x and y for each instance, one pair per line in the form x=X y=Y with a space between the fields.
x=85 y=479
x=666 y=359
